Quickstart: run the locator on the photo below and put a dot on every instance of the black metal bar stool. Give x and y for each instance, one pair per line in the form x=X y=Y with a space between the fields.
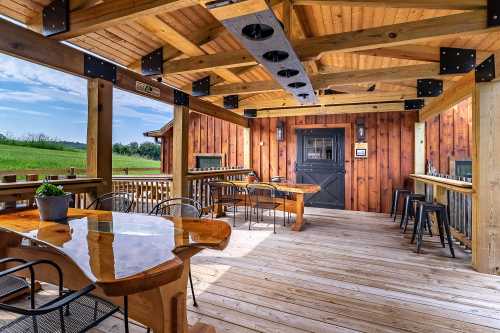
x=409 y=210
x=423 y=216
x=398 y=193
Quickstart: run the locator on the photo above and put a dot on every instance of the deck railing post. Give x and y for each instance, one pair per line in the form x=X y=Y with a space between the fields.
x=180 y=151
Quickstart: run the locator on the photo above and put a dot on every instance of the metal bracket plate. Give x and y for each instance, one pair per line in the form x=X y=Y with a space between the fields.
x=493 y=13
x=201 y=87
x=485 y=72
x=250 y=113
x=414 y=104
x=98 y=68
x=429 y=88
x=231 y=102
x=457 y=61
x=152 y=63
x=55 y=18
x=181 y=98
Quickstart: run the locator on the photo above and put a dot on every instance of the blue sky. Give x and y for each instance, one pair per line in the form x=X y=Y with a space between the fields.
x=35 y=99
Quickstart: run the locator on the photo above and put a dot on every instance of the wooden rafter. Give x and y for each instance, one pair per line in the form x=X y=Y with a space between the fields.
x=363 y=40
x=424 y=4
x=332 y=109
x=28 y=45
x=112 y=12
x=321 y=81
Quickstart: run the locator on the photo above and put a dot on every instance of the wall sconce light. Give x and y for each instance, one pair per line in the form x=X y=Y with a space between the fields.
x=280 y=131
x=360 y=130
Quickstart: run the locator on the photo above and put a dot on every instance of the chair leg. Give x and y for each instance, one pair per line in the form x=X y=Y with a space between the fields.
x=125 y=313
x=406 y=208
x=420 y=230
x=415 y=224
x=429 y=227
x=192 y=288
x=439 y=219
x=284 y=212
x=250 y=218
x=448 y=233
x=392 y=206
x=274 y=220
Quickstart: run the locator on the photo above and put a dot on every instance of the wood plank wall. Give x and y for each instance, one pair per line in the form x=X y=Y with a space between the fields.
x=449 y=136
x=369 y=182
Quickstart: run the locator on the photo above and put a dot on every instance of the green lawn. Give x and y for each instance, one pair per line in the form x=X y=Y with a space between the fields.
x=19 y=158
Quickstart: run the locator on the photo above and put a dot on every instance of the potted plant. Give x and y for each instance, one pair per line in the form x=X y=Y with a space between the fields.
x=52 y=202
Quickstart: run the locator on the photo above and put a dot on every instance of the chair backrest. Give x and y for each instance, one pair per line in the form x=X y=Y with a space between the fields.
x=221 y=189
x=114 y=201
x=185 y=207
x=259 y=192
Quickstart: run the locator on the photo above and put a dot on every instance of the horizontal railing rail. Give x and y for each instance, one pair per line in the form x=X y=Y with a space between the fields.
x=67 y=171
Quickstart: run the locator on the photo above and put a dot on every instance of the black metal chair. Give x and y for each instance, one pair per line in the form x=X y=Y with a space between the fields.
x=263 y=196
x=225 y=193
x=423 y=219
x=114 y=201
x=185 y=207
x=398 y=194
x=409 y=210
x=72 y=311
x=282 y=194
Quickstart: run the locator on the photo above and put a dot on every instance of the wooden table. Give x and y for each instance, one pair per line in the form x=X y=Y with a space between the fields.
x=294 y=206
x=146 y=257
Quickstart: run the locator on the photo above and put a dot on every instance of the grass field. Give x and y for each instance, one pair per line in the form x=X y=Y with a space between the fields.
x=21 y=158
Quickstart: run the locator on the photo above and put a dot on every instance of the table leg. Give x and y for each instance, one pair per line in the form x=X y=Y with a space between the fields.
x=299 y=212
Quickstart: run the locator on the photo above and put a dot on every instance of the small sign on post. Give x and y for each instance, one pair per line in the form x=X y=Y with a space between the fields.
x=361 y=150
x=147 y=89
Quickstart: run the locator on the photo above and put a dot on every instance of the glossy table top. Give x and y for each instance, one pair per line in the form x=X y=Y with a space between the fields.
x=286 y=187
x=110 y=246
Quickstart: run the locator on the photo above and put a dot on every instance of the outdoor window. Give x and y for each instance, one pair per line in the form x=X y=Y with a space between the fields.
x=319 y=149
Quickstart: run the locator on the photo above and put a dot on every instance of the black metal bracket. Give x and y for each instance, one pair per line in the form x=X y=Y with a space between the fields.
x=55 y=18
x=98 y=68
x=250 y=113
x=457 y=61
x=201 y=87
x=493 y=13
x=414 y=104
x=429 y=88
x=485 y=72
x=181 y=98
x=152 y=63
x=231 y=102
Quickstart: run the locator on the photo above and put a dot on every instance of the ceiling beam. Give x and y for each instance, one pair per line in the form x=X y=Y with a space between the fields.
x=423 y=4
x=332 y=109
x=322 y=81
x=356 y=41
x=31 y=46
x=112 y=12
x=365 y=97
x=171 y=36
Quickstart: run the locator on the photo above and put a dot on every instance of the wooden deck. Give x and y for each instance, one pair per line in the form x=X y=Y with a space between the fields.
x=347 y=272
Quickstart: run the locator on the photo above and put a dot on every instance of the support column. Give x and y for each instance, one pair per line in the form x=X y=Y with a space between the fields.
x=100 y=133
x=486 y=178
x=247 y=147
x=419 y=166
x=180 y=151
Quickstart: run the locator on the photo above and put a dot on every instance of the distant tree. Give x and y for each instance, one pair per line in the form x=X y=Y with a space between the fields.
x=146 y=149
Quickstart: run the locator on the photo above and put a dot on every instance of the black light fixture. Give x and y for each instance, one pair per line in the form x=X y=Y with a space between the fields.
x=280 y=131
x=360 y=130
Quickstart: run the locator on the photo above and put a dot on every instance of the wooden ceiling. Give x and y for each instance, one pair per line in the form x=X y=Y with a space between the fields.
x=186 y=29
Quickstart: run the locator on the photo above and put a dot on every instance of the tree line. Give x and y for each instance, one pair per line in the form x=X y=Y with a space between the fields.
x=146 y=149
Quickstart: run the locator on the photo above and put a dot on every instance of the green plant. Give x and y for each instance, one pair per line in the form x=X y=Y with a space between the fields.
x=49 y=190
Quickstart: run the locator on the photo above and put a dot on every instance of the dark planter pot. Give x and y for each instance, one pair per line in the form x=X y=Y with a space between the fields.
x=53 y=208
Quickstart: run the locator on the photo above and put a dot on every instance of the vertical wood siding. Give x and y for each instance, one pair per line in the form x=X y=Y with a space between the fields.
x=369 y=182
x=449 y=136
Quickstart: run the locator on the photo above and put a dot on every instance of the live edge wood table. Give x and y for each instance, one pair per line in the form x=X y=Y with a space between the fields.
x=145 y=257
x=293 y=206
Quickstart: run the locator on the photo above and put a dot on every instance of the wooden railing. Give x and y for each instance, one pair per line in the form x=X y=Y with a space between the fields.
x=148 y=190
x=67 y=171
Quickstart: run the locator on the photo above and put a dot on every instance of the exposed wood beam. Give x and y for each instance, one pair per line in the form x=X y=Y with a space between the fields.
x=366 y=97
x=25 y=44
x=415 y=52
x=171 y=36
x=424 y=4
x=461 y=90
x=362 y=40
x=112 y=12
x=180 y=155
x=332 y=109
x=321 y=81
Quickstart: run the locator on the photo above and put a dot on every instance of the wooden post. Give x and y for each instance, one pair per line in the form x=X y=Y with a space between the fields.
x=180 y=151
x=99 y=133
x=247 y=148
x=486 y=175
x=419 y=187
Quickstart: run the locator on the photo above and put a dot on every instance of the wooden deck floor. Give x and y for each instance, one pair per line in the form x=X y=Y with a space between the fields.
x=347 y=272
